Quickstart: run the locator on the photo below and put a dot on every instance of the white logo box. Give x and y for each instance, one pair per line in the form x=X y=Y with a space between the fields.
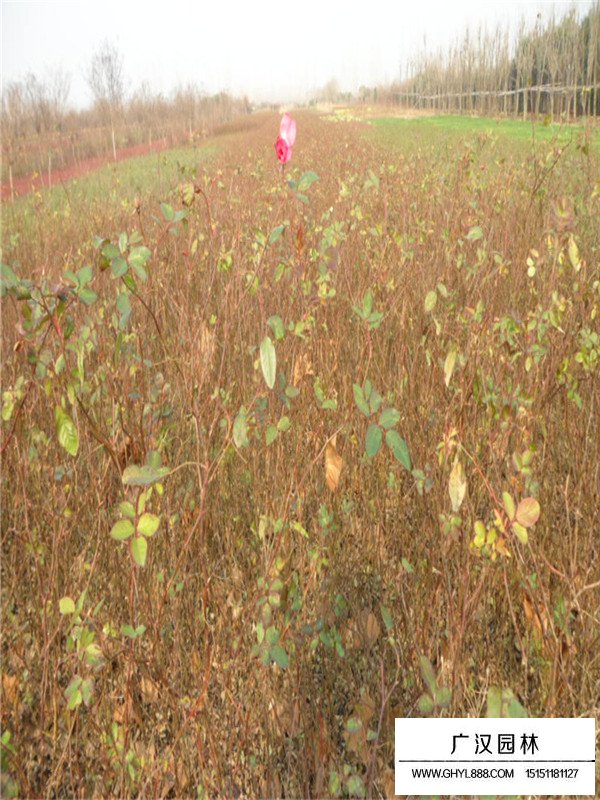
x=472 y=757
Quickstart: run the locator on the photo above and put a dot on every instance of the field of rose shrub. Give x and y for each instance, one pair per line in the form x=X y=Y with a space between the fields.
x=289 y=451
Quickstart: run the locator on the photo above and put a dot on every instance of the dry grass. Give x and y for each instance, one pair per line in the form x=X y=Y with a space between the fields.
x=254 y=535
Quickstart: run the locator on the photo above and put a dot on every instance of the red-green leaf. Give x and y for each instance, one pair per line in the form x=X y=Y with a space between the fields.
x=528 y=512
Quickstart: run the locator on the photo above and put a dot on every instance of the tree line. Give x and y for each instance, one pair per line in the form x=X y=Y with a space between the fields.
x=38 y=123
x=553 y=68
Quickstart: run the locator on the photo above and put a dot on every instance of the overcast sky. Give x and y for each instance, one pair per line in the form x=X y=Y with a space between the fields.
x=268 y=50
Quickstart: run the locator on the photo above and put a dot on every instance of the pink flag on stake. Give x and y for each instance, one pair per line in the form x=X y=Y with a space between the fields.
x=285 y=140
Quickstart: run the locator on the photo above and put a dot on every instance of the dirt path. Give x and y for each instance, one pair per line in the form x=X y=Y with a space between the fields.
x=30 y=183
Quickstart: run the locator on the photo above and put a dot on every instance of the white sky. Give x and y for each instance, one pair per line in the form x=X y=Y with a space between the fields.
x=268 y=50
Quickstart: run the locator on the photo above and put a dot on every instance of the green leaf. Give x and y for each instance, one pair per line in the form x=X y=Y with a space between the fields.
x=407 y=565
x=574 y=257
x=268 y=361
x=8 y=405
x=279 y=656
x=276 y=324
x=110 y=251
x=84 y=276
x=123 y=242
x=187 y=193
x=509 y=505
x=387 y=618
x=457 y=485
x=66 y=431
x=240 y=428
x=474 y=234
x=372 y=180
x=122 y=530
x=428 y=675
x=140 y=272
x=93 y=655
x=75 y=699
x=296 y=526
x=306 y=181
x=124 y=307
x=334 y=784
x=389 y=417
x=430 y=301
x=143 y=476
x=167 y=211
x=399 y=448
x=139 y=550
x=126 y=508
x=480 y=534
x=360 y=400
x=353 y=725
x=154 y=459
x=528 y=512
x=443 y=697
x=260 y=632
x=355 y=786
x=73 y=693
x=449 y=365
x=271 y=434
x=520 y=532
x=131 y=632
x=272 y=635
x=66 y=605
x=373 y=440
x=425 y=704
x=8 y=278
x=141 y=501
x=138 y=257
x=119 y=267
x=375 y=400
x=148 y=524
x=129 y=282
x=276 y=234
x=87 y=296
x=87 y=690
x=494 y=703
x=514 y=709
x=375 y=318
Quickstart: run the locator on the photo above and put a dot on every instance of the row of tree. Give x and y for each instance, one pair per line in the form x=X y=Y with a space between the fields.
x=38 y=122
x=552 y=68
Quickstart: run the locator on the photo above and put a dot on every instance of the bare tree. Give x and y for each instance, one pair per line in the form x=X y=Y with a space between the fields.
x=59 y=88
x=105 y=79
x=36 y=97
x=330 y=92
